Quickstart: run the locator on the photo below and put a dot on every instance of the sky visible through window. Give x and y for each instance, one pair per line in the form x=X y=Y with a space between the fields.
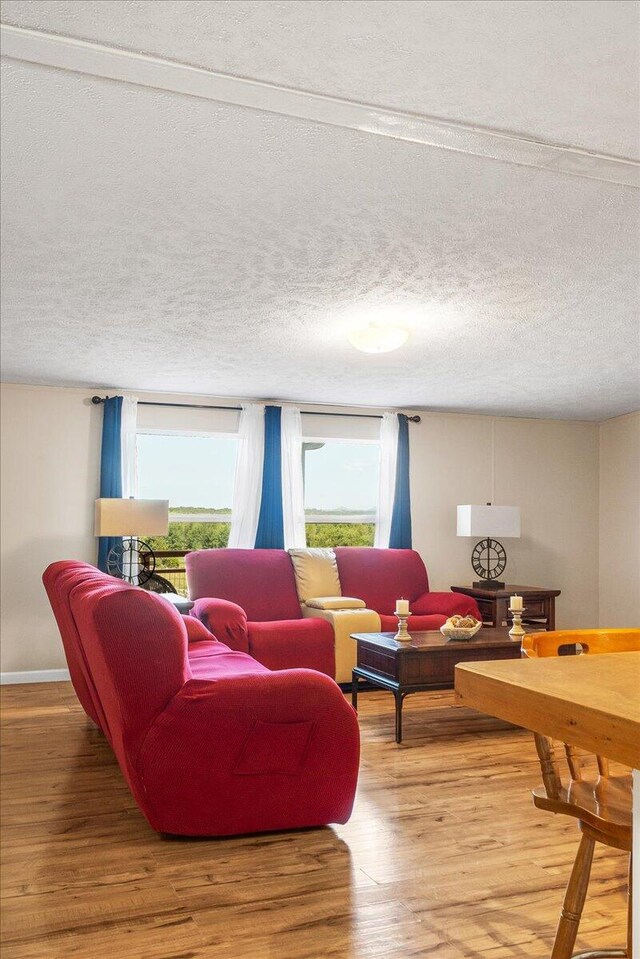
x=342 y=475
x=187 y=470
x=199 y=471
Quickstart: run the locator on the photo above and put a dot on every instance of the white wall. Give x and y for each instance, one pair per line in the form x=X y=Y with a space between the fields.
x=50 y=466
x=51 y=446
x=549 y=468
x=620 y=521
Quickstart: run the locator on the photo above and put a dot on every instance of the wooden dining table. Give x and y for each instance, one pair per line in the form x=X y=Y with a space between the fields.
x=592 y=702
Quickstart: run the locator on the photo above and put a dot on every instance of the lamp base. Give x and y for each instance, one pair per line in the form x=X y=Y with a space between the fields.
x=488 y=584
x=132 y=560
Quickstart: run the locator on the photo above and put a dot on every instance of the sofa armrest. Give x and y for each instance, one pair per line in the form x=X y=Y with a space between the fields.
x=445 y=604
x=334 y=602
x=244 y=754
x=227 y=621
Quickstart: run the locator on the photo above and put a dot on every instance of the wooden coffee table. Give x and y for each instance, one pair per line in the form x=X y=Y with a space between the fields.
x=427 y=662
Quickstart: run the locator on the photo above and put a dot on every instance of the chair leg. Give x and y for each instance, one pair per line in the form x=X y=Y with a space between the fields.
x=574 y=900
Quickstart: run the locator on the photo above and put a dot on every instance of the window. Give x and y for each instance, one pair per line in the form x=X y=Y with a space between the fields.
x=340 y=491
x=195 y=472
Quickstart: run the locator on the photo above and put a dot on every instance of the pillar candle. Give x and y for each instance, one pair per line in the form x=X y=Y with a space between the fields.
x=516 y=603
x=402 y=607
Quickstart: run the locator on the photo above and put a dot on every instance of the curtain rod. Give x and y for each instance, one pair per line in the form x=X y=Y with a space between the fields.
x=96 y=400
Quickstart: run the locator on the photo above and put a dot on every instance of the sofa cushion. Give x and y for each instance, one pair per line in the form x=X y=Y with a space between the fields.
x=135 y=645
x=446 y=604
x=210 y=659
x=197 y=632
x=261 y=581
x=59 y=579
x=381 y=576
x=316 y=572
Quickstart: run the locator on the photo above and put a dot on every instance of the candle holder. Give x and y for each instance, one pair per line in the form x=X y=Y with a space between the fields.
x=517 y=629
x=402 y=635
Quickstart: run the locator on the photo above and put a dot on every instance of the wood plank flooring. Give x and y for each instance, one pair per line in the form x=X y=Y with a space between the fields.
x=445 y=856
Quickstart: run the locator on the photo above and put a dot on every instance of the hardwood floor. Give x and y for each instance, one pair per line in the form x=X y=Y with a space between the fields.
x=445 y=855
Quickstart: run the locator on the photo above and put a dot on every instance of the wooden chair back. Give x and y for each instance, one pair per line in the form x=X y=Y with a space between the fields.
x=602 y=803
x=589 y=641
x=579 y=764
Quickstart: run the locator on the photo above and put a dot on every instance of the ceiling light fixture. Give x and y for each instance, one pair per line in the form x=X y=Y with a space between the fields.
x=378 y=338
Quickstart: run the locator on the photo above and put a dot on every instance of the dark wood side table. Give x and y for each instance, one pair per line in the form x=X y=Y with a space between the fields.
x=540 y=604
x=427 y=662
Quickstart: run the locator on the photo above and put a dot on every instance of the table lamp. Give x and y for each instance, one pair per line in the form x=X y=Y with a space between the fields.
x=132 y=559
x=489 y=557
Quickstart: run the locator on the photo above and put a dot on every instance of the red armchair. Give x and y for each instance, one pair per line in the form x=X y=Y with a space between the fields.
x=248 y=599
x=209 y=740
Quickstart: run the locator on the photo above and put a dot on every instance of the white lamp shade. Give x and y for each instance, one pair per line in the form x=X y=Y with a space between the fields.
x=132 y=517
x=483 y=521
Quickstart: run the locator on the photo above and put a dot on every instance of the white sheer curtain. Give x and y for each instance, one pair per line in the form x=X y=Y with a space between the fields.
x=387 y=478
x=128 y=424
x=247 y=486
x=292 y=484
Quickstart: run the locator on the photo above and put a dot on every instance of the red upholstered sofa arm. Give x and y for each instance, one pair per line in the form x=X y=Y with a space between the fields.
x=446 y=604
x=252 y=753
x=227 y=621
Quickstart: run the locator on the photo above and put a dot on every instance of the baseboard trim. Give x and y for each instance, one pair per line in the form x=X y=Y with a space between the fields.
x=35 y=676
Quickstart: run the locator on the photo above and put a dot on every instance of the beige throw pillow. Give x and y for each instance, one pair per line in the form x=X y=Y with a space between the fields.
x=316 y=573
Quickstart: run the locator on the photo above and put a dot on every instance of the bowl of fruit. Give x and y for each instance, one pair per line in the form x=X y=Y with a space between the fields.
x=460 y=627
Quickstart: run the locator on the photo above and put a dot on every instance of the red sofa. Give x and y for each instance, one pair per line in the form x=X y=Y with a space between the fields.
x=248 y=599
x=381 y=576
x=210 y=741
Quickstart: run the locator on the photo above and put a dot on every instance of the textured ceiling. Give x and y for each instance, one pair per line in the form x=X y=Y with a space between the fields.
x=161 y=242
x=561 y=70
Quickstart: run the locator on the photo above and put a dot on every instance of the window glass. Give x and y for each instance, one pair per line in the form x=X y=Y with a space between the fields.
x=195 y=473
x=340 y=491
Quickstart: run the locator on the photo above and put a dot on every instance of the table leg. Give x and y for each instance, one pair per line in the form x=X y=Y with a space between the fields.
x=550 y=613
x=494 y=613
x=399 y=698
x=501 y=614
x=354 y=691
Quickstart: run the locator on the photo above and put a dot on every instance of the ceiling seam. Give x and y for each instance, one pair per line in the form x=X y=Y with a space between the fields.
x=112 y=63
